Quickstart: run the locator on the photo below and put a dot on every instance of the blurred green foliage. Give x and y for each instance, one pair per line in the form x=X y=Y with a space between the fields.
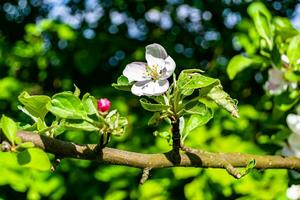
x=46 y=47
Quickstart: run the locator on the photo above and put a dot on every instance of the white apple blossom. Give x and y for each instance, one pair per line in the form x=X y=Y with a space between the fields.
x=293 y=192
x=150 y=79
x=276 y=83
x=293 y=147
x=293 y=122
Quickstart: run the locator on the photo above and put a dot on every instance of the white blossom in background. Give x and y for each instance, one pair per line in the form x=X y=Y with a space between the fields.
x=276 y=83
x=150 y=79
x=293 y=149
x=293 y=192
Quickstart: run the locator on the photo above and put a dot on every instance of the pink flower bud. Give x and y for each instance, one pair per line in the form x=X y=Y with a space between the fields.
x=103 y=105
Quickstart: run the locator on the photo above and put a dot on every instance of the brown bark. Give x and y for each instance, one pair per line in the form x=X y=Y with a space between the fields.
x=196 y=158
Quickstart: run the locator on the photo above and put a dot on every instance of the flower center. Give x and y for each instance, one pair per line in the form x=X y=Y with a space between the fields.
x=153 y=71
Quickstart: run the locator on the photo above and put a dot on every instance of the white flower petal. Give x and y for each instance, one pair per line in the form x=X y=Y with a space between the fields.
x=276 y=83
x=285 y=59
x=150 y=88
x=157 y=51
x=276 y=76
x=293 y=122
x=287 y=151
x=294 y=143
x=156 y=88
x=151 y=61
x=137 y=88
x=136 y=71
x=170 y=67
x=293 y=192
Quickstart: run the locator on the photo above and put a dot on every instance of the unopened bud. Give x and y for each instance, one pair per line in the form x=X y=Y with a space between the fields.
x=103 y=105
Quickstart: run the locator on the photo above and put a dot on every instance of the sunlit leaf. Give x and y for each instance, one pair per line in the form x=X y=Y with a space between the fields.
x=89 y=103
x=188 y=81
x=218 y=95
x=81 y=125
x=34 y=104
x=122 y=84
x=153 y=107
x=77 y=91
x=237 y=64
x=34 y=158
x=66 y=105
x=9 y=128
x=293 y=51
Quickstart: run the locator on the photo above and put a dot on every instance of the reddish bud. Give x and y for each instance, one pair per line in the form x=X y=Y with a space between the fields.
x=103 y=105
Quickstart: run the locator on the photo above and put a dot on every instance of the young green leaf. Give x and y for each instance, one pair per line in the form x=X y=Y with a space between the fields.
x=196 y=121
x=89 y=103
x=152 y=106
x=77 y=91
x=66 y=105
x=9 y=128
x=188 y=81
x=197 y=109
x=218 y=95
x=26 y=145
x=35 y=104
x=250 y=166
x=154 y=120
x=293 y=51
x=122 y=84
x=116 y=123
x=82 y=125
x=263 y=28
x=262 y=21
x=237 y=64
x=34 y=158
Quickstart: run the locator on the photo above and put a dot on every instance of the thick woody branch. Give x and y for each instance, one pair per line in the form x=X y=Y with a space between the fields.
x=197 y=158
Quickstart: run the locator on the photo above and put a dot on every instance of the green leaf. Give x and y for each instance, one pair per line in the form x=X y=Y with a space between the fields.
x=89 y=103
x=196 y=121
x=250 y=166
x=77 y=91
x=163 y=134
x=287 y=100
x=81 y=125
x=284 y=27
x=237 y=64
x=259 y=7
x=116 y=123
x=293 y=51
x=153 y=107
x=41 y=125
x=9 y=128
x=155 y=119
x=8 y=160
x=262 y=21
x=198 y=109
x=68 y=106
x=24 y=110
x=122 y=84
x=34 y=104
x=34 y=158
x=218 y=95
x=26 y=145
x=188 y=81
x=263 y=28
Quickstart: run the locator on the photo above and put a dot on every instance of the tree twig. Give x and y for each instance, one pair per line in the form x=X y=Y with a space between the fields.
x=145 y=175
x=202 y=159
